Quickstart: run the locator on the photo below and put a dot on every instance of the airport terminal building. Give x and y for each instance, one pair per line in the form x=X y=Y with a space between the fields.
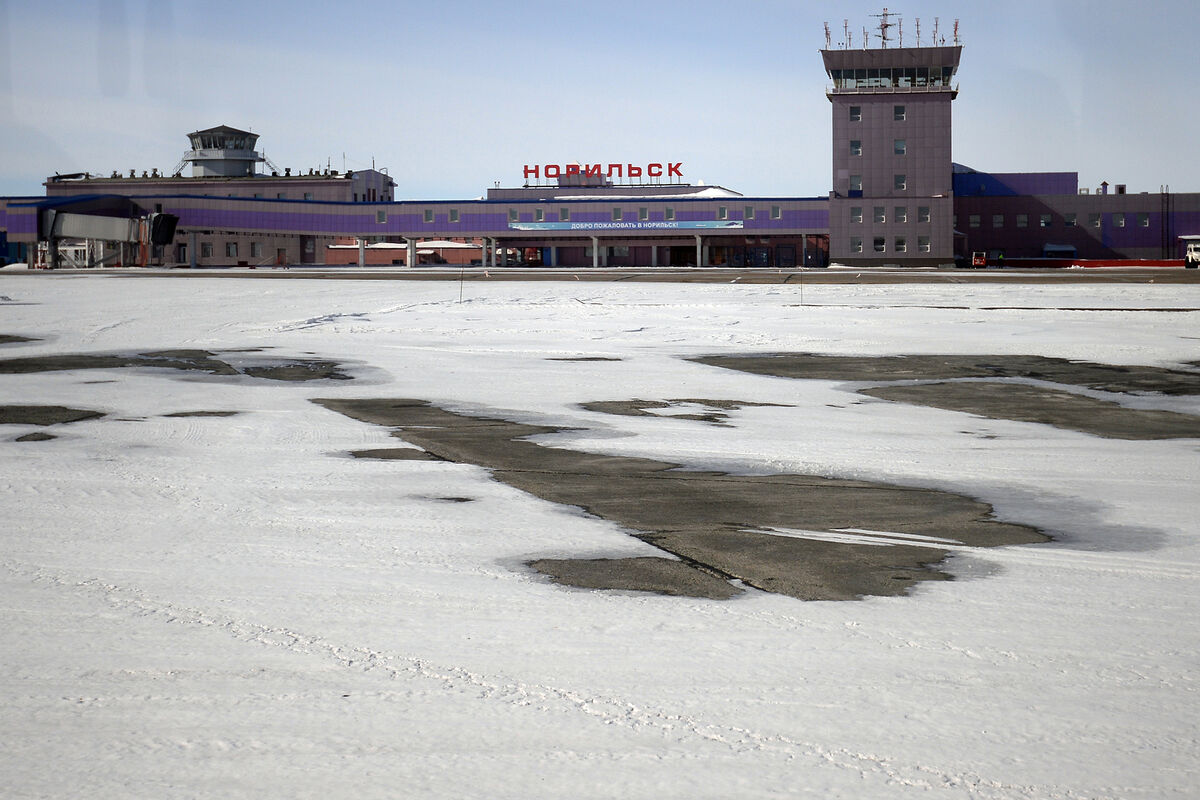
x=896 y=199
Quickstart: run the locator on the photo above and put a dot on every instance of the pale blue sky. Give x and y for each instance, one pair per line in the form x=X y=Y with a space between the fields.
x=453 y=95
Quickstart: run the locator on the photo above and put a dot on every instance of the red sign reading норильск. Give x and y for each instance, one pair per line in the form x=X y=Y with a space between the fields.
x=655 y=170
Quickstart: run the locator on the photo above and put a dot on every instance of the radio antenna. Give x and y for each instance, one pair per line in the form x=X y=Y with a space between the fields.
x=885 y=24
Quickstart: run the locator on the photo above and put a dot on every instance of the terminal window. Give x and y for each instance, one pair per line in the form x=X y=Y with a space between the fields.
x=428 y=217
x=899 y=147
x=722 y=212
x=512 y=215
x=997 y=220
x=1094 y=220
x=1143 y=220
x=900 y=182
x=1022 y=220
x=901 y=244
x=900 y=214
x=564 y=214
x=669 y=214
x=749 y=213
x=973 y=221
x=256 y=249
x=856 y=183
x=617 y=215
x=856 y=147
x=922 y=213
x=923 y=244
x=880 y=214
x=1069 y=220
x=643 y=214
x=231 y=250
x=380 y=217
x=856 y=213
x=538 y=215
x=206 y=249
x=1044 y=220
x=856 y=113
x=855 y=244
x=880 y=244
x=453 y=215
x=1119 y=220
x=776 y=212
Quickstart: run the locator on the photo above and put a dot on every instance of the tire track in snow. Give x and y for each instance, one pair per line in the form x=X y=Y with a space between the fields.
x=543 y=698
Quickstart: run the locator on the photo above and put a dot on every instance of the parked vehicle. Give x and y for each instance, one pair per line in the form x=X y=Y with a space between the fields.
x=1191 y=259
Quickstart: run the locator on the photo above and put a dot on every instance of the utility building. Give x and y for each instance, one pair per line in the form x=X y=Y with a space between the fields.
x=892 y=199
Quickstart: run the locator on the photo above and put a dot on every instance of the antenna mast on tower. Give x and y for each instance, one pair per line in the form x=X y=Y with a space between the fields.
x=828 y=40
x=956 y=33
x=918 y=31
x=884 y=26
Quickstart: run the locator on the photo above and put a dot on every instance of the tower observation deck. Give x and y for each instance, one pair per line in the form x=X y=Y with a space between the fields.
x=222 y=152
x=892 y=197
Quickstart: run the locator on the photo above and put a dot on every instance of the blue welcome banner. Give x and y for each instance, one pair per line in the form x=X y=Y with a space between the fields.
x=673 y=225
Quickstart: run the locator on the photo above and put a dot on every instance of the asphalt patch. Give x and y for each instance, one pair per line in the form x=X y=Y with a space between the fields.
x=954 y=383
x=645 y=574
x=275 y=369
x=202 y=414
x=44 y=415
x=1024 y=403
x=715 y=412
x=1102 y=377
x=779 y=533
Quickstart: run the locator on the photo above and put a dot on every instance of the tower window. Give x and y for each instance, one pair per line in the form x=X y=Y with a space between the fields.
x=856 y=113
x=855 y=244
x=856 y=183
x=900 y=182
x=922 y=213
x=899 y=114
x=901 y=245
x=923 y=244
x=900 y=214
x=899 y=147
x=855 y=147
x=856 y=213
x=880 y=244
x=880 y=214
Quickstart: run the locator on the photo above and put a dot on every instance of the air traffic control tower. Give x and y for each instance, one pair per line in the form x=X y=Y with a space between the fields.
x=892 y=200
x=222 y=152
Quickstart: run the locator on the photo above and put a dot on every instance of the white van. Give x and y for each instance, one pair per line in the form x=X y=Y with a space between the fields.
x=1192 y=257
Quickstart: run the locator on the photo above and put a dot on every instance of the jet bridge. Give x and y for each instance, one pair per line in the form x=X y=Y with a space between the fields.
x=104 y=219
